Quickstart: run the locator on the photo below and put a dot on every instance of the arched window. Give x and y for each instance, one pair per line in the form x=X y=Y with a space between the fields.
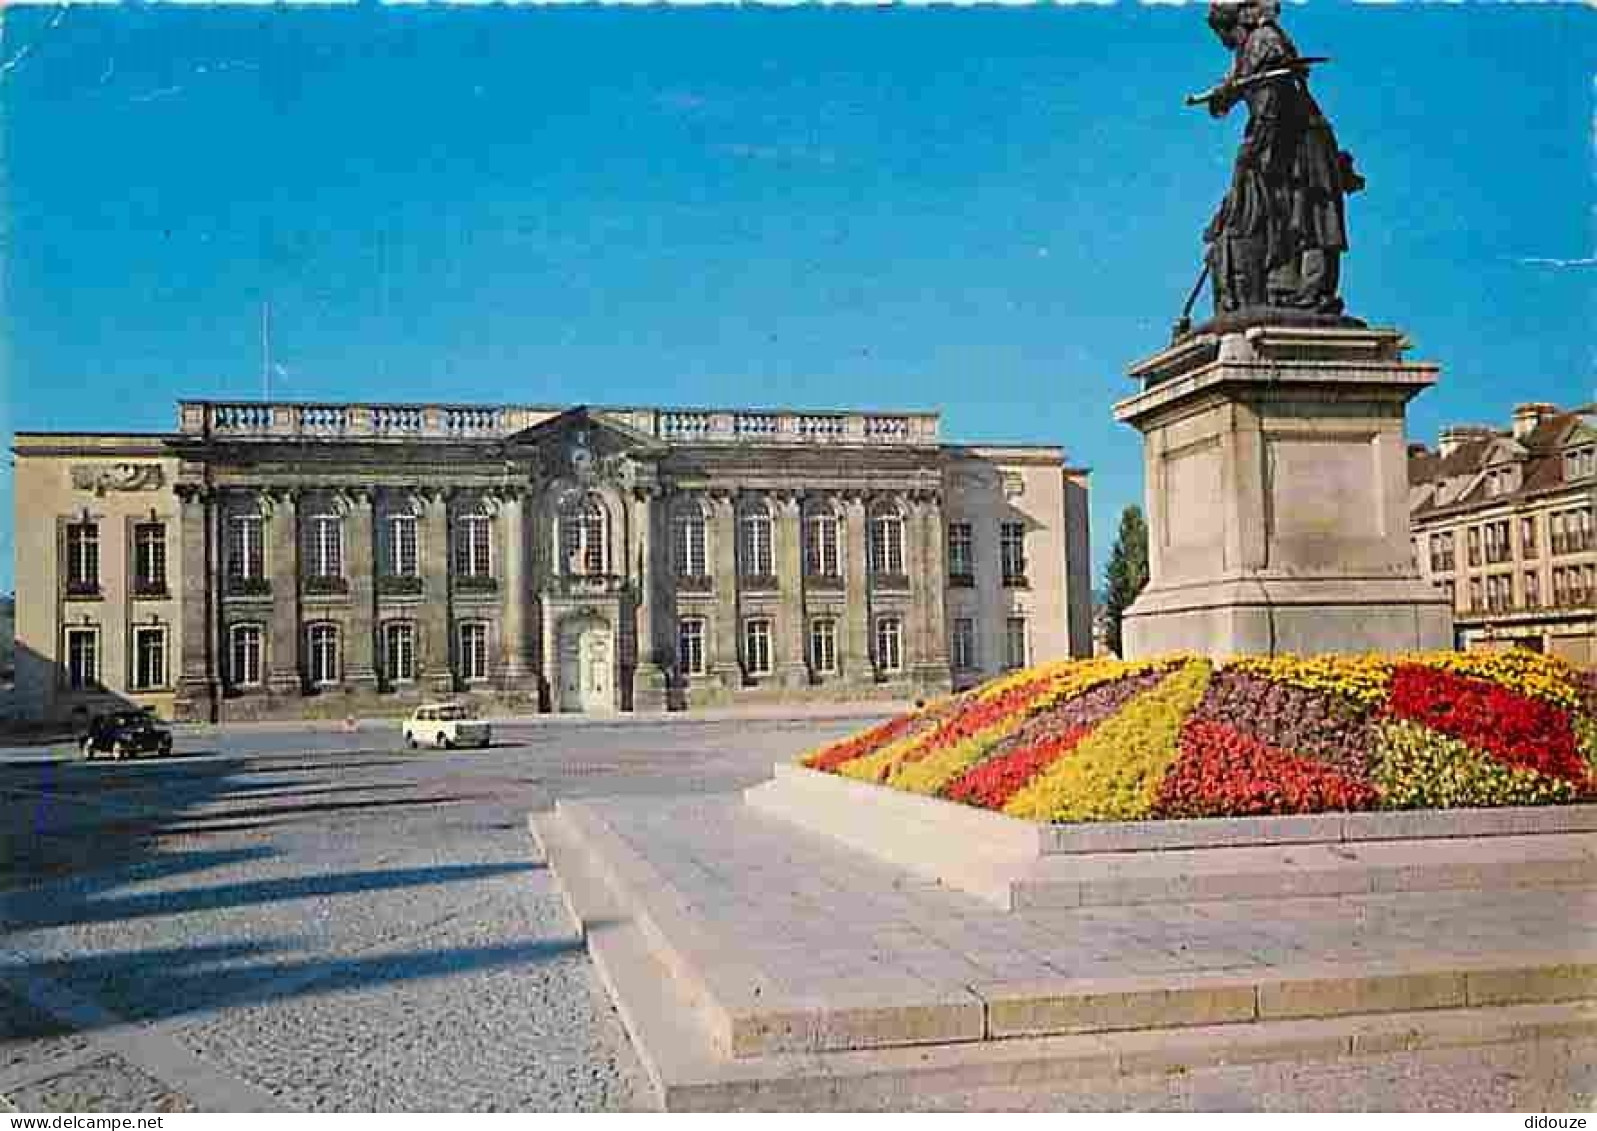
x=822 y=537
x=687 y=540
x=887 y=542
x=754 y=540
x=582 y=541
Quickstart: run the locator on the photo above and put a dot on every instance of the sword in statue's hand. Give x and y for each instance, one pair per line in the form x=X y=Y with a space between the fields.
x=1299 y=66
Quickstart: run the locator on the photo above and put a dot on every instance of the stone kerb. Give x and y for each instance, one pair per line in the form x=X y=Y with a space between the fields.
x=1012 y=864
x=1317 y=828
x=974 y=850
x=874 y=818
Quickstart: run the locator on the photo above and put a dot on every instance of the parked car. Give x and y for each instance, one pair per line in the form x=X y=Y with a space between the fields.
x=447 y=725
x=124 y=734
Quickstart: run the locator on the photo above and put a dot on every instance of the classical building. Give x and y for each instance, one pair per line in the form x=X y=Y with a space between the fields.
x=330 y=559
x=1502 y=522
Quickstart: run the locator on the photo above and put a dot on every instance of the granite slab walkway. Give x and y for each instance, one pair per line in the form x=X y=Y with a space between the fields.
x=820 y=919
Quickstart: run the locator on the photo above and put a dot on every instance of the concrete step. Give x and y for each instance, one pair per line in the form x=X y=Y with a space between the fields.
x=1036 y=1035
x=747 y=1011
x=1289 y=871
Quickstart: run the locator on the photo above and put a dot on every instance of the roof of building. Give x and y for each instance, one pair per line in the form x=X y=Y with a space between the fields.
x=1454 y=481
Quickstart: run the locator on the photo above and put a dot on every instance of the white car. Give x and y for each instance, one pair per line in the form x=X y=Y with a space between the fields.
x=445 y=725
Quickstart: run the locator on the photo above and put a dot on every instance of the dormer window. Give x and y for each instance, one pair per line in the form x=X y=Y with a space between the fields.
x=1580 y=464
x=1500 y=481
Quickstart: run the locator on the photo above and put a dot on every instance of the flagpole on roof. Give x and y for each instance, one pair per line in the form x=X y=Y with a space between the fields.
x=266 y=350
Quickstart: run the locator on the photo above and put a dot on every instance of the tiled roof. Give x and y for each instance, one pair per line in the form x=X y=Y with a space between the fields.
x=1543 y=465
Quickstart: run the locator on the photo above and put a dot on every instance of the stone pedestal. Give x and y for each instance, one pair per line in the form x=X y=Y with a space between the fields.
x=1277 y=496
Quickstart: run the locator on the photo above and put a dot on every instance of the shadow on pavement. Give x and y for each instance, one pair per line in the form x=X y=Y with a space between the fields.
x=160 y=983
x=57 y=907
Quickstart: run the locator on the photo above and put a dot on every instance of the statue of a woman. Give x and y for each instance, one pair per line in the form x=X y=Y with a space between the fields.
x=1278 y=237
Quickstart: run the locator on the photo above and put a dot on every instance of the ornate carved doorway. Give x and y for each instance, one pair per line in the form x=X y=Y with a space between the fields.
x=586 y=663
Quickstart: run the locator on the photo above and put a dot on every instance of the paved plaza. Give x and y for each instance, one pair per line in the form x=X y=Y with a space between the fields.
x=299 y=918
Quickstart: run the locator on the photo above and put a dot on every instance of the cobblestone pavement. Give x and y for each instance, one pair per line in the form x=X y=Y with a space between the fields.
x=323 y=921
x=314 y=920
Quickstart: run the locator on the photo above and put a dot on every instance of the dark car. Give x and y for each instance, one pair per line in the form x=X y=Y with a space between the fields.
x=123 y=734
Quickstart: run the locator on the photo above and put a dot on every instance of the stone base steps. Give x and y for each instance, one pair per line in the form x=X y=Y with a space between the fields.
x=1277 y=872
x=715 y=1032
x=1019 y=864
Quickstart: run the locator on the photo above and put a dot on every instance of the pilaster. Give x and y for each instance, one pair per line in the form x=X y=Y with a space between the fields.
x=284 y=673
x=724 y=662
x=791 y=670
x=857 y=612
x=649 y=691
x=360 y=667
x=198 y=687
x=436 y=650
x=932 y=673
x=513 y=590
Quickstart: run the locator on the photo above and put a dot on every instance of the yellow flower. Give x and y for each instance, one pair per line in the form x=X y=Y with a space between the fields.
x=1114 y=773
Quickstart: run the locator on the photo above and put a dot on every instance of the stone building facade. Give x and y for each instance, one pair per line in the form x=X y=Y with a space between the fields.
x=282 y=560
x=1502 y=521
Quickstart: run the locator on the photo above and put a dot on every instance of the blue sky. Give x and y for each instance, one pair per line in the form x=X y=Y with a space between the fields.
x=986 y=211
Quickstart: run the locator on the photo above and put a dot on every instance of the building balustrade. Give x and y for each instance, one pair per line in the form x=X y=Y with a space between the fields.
x=83 y=590
x=288 y=421
x=756 y=424
x=475 y=583
x=896 y=582
x=330 y=420
x=249 y=587
x=759 y=583
x=824 y=581
x=962 y=581
x=150 y=590
x=398 y=420
x=695 y=583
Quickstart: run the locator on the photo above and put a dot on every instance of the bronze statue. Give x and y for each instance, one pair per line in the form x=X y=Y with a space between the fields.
x=1275 y=245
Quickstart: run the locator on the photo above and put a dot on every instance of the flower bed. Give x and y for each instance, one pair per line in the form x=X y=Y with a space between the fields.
x=1106 y=739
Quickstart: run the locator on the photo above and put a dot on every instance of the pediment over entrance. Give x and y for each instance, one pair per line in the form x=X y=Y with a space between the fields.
x=584 y=447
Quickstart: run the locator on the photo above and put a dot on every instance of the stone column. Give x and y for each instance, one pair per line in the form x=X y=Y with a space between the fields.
x=283 y=676
x=648 y=678
x=724 y=538
x=857 y=607
x=360 y=668
x=788 y=548
x=197 y=688
x=436 y=652
x=513 y=591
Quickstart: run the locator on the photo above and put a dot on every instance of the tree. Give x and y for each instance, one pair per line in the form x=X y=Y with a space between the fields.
x=1128 y=570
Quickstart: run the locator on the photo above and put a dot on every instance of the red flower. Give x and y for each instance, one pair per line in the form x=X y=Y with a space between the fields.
x=975 y=719
x=847 y=750
x=1221 y=772
x=1511 y=727
x=995 y=781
